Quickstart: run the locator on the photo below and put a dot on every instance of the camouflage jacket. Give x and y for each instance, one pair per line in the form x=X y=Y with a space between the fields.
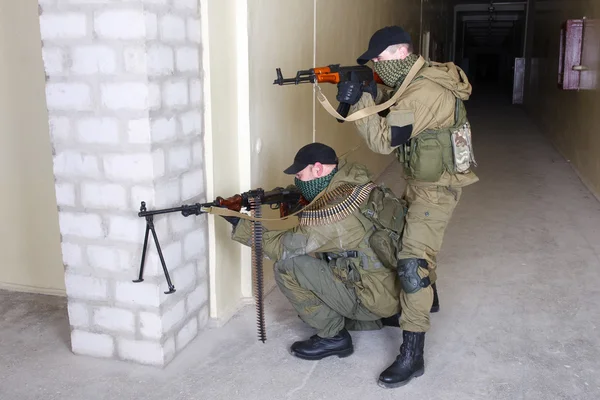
x=429 y=102
x=375 y=284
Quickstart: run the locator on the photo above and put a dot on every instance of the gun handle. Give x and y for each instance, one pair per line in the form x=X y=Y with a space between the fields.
x=233 y=203
x=343 y=110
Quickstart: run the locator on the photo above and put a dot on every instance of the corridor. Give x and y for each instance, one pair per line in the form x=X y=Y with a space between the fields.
x=519 y=281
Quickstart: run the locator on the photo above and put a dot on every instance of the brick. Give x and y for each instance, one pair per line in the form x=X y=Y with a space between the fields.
x=192 y=184
x=188 y=59
x=53 y=60
x=168 y=194
x=138 y=131
x=142 y=193
x=163 y=129
x=80 y=224
x=60 y=128
x=68 y=96
x=64 y=25
x=72 y=254
x=194 y=244
x=98 y=130
x=198 y=153
x=92 y=344
x=202 y=269
x=71 y=163
x=173 y=254
x=126 y=95
x=179 y=223
x=142 y=293
x=172 y=27
x=175 y=93
x=194 y=30
x=120 y=24
x=195 y=92
x=104 y=195
x=154 y=101
x=150 y=325
x=151 y=25
x=158 y=159
x=160 y=60
x=203 y=317
x=180 y=158
x=129 y=229
x=114 y=319
x=135 y=60
x=85 y=287
x=91 y=60
x=174 y=315
x=187 y=5
x=110 y=258
x=157 y=2
x=191 y=122
x=79 y=316
x=129 y=166
x=169 y=349
x=143 y=352
x=187 y=333
x=197 y=298
x=185 y=276
x=65 y=194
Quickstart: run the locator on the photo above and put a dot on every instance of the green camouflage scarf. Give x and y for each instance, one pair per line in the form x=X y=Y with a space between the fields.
x=393 y=72
x=310 y=189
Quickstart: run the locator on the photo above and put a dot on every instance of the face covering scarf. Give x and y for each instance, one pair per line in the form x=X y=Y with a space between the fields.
x=393 y=72
x=310 y=189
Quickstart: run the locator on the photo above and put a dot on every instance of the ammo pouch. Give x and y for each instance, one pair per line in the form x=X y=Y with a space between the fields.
x=387 y=213
x=432 y=152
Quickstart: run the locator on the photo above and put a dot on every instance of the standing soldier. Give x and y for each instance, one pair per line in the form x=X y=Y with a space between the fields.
x=428 y=129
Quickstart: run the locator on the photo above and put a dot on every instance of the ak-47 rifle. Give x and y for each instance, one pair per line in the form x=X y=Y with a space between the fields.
x=286 y=200
x=331 y=74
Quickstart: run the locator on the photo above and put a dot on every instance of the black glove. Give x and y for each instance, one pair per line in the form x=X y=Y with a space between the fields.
x=349 y=92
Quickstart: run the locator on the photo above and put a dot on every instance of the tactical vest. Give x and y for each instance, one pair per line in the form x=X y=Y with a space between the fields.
x=432 y=152
x=387 y=213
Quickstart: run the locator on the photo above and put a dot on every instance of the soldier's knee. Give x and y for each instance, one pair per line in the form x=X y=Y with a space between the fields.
x=408 y=272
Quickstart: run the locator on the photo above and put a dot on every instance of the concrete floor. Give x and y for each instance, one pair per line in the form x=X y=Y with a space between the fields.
x=519 y=284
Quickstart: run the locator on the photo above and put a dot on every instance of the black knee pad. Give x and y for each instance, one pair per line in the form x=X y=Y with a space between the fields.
x=409 y=277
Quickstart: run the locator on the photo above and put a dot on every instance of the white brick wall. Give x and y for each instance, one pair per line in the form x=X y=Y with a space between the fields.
x=142 y=193
x=65 y=194
x=197 y=298
x=114 y=319
x=152 y=24
x=185 y=276
x=175 y=93
x=194 y=244
x=53 y=60
x=98 y=130
x=72 y=254
x=168 y=195
x=180 y=158
x=188 y=5
x=135 y=60
x=138 y=131
x=174 y=315
x=85 y=287
x=127 y=229
x=68 y=96
x=198 y=153
x=194 y=30
x=74 y=164
x=127 y=95
x=154 y=96
x=120 y=24
x=80 y=224
x=144 y=352
x=150 y=325
x=191 y=122
x=93 y=344
x=103 y=195
x=78 y=315
x=89 y=60
x=69 y=25
x=119 y=167
x=192 y=184
x=195 y=92
x=187 y=333
x=160 y=60
x=110 y=258
x=142 y=293
x=172 y=28
x=158 y=161
x=179 y=223
x=59 y=128
x=188 y=59
x=164 y=129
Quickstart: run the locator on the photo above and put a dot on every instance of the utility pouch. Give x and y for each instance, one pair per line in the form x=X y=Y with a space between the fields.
x=462 y=147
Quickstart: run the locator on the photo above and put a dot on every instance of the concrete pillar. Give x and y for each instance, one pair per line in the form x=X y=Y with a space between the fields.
x=124 y=97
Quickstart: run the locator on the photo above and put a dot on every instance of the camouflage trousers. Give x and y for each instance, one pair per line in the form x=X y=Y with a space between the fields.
x=320 y=299
x=430 y=209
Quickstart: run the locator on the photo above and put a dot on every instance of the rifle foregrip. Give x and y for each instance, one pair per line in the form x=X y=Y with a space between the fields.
x=233 y=203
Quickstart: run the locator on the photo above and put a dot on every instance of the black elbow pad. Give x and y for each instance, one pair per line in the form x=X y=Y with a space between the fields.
x=401 y=134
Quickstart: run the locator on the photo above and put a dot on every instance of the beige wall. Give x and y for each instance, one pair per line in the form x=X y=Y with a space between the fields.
x=31 y=259
x=569 y=118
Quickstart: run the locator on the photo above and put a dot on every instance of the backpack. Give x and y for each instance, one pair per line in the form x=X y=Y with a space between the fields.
x=387 y=213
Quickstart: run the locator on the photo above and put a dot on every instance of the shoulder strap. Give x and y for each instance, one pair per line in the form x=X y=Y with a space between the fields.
x=365 y=112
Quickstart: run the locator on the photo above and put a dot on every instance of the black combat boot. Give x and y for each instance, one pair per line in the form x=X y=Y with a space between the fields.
x=409 y=364
x=435 y=307
x=317 y=347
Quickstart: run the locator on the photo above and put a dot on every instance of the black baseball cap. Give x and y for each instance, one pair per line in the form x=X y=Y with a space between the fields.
x=380 y=41
x=310 y=154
